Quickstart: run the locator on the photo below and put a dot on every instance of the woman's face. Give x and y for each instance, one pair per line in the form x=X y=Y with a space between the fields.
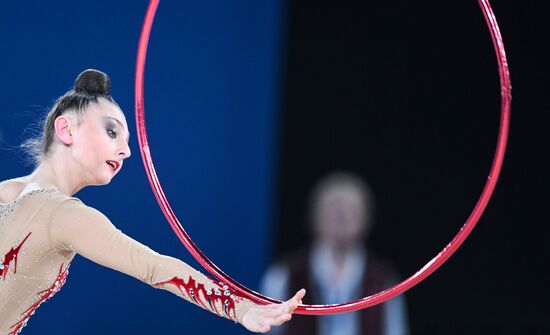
x=100 y=142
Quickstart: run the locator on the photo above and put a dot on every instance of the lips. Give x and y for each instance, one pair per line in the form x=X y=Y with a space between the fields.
x=113 y=164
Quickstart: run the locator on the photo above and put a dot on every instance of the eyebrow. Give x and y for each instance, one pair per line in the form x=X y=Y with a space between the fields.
x=120 y=124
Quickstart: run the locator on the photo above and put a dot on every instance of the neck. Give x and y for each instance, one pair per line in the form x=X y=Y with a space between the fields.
x=56 y=173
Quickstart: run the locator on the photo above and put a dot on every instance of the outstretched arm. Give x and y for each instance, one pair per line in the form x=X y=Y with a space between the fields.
x=78 y=228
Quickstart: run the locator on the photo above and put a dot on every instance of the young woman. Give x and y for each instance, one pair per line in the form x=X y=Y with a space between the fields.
x=42 y=227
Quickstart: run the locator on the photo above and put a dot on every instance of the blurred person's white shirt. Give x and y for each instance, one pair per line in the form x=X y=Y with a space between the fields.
x=346 y=288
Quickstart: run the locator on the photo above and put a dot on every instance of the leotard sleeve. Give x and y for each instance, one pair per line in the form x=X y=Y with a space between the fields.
x=78 y=228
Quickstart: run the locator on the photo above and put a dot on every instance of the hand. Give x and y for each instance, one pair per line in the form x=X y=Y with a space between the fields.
x=260 y=318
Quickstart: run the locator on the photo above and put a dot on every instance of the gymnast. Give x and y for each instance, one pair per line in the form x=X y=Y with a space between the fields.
x=42 y=226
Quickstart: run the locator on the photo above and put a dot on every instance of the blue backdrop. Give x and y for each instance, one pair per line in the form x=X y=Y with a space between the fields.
x=212 y=92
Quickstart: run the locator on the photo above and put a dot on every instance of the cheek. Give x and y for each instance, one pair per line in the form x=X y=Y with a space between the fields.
x=91 y=150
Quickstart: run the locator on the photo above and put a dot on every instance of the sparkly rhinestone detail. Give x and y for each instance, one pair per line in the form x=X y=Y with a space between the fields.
x=207 y=298
x=42 y=296
x=7 y=208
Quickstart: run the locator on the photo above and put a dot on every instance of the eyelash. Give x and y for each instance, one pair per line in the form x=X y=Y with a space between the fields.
x=111 y=133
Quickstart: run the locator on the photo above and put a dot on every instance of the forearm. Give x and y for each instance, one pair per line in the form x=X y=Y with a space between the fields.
x=181 y=279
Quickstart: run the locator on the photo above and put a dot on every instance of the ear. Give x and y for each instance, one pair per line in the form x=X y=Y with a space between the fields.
x=63 y=129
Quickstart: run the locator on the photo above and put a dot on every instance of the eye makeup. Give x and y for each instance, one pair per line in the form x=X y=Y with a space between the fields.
x=110 y=127
x=111 y=124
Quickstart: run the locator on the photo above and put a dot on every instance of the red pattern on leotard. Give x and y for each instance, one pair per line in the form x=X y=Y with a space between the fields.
x=198 y=293
x=43 y=296
x=12 y=256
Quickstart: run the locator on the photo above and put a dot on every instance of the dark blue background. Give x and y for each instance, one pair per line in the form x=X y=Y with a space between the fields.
x=211 y=98
x=247 y=109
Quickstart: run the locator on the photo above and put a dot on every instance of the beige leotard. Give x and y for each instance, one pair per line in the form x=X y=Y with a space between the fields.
x=42 y=230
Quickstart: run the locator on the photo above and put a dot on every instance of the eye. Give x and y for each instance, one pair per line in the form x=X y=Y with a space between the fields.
x=111 y=133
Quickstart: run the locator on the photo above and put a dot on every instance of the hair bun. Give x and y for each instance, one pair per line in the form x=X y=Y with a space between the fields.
x=93 y=82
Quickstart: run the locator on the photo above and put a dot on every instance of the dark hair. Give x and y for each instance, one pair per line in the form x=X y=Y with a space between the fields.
x=89 y=86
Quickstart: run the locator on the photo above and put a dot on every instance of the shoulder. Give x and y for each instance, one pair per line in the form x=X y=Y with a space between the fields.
x=9 y=189
x=68 y=209
x=72 y=217
x=382 y=267
x=298 y=261
x=57 y=200
x=72 y=207
x=299 y=256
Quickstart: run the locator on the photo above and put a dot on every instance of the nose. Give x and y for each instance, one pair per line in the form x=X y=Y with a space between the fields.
x=125 y=151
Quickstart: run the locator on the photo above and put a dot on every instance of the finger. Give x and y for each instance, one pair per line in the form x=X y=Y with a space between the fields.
x=293 y=302
x=261 y=328
x=283 y=318
x=300 y=294
x=290 y=306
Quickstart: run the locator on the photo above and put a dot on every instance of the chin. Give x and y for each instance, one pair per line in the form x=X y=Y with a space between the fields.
x=104 y=180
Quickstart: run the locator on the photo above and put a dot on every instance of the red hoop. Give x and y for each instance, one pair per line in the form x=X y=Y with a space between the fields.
x=365 y=302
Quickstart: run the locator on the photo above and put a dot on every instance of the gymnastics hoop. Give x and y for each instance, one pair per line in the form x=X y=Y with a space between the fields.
x=371 y=300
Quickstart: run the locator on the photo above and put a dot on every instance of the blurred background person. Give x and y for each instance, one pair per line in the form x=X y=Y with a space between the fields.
x=337 y=266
